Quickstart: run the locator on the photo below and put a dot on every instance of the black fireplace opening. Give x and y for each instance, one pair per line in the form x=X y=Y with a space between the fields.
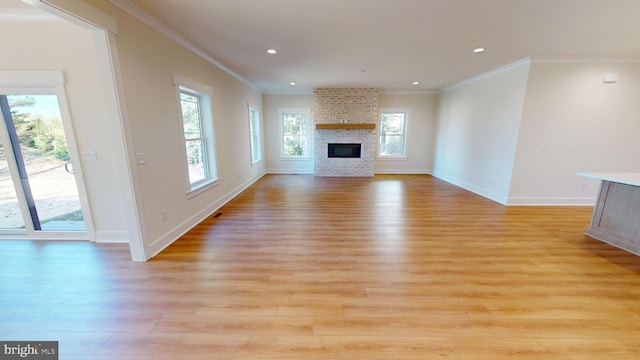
x=344 y=150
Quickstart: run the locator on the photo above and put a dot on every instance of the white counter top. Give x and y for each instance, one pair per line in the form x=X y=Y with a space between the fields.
x=622 y=178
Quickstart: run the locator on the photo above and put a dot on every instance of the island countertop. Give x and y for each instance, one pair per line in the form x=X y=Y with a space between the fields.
x=630 y=178
x=617 y=210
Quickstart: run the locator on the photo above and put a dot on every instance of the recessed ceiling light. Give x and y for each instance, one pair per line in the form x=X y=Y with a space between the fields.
x=292 y=83
x=479 y=50
x=363 y=70
x=415 y=83
x=271 y=51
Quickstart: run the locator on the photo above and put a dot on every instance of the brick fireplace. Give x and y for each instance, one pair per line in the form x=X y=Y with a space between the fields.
x=345 y=116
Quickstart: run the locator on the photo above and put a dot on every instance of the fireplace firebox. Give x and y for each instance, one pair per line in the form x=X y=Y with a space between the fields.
x=344 y=150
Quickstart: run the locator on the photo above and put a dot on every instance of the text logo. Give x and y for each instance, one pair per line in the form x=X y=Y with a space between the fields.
x=30 y=350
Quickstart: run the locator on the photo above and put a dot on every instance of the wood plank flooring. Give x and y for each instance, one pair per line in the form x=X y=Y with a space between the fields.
x=298 y=267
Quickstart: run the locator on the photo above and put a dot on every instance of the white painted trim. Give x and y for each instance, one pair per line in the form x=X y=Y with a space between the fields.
x=514 y=65
x=180 y=81
x=402 y=172
x=310 y=133
x=290 y=172
x=156 y=24
x=258 y=131
x=77 y=12
x=407 y=112
x=128 y=174
x=52 y=83
x=288 y=93
x=584 y=59
x=157 y=246
x=28 y=14
x=105 y=31
x=473 y=188
x=407 y=92
x=560 y=201
x=72 y=147
x=112 y=237
x=20 y=79
x=517 y=201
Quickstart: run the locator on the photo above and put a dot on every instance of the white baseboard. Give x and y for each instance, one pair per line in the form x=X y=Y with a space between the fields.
x=290 y=172
x=519 y=201
x=118 y=237
x=403 y=172
x=473 y=188
x=157 y=246
x=551 y=201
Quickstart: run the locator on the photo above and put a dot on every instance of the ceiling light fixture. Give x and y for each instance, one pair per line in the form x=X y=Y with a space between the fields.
x=479 y=50
x=271 y=51
x=292 y=83
x=415 y=83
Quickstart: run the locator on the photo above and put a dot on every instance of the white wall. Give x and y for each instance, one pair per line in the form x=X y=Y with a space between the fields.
x=148 y=63
x=477 y=131
x=574 y=122
x=59 y=45
x=420 y=133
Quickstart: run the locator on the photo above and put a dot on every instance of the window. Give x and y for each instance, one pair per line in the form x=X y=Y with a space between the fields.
x=393 y=128
x=197 y=125
x=295 y=125
x=254 y=130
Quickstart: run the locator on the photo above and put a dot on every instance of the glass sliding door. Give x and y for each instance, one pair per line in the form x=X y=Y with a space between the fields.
x=36 y=157
x=10 y=213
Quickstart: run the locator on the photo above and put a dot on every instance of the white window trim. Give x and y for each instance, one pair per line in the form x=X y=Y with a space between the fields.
x=407 y=112
x=259 y=123
x=309 y=148
x=197 y=188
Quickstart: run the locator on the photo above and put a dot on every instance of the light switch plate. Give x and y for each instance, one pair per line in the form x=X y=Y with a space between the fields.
x=89 y=155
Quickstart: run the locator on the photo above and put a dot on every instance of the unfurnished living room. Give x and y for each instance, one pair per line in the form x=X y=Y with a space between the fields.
x=319 y=179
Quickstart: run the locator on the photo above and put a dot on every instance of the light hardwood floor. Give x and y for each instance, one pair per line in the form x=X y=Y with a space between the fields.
x=298 y=267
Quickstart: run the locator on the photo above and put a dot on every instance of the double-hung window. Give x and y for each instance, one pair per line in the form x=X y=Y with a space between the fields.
x=393 y=131
x=254 y=133
x=295 y=127
x=197 y=126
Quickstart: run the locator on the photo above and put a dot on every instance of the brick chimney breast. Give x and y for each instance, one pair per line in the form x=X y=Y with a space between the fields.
x=345 y=106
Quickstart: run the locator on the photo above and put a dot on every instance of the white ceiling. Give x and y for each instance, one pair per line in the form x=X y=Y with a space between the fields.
x=388 y=44
x=327 y=43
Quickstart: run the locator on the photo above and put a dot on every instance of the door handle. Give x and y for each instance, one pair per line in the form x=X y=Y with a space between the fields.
x=68 y=166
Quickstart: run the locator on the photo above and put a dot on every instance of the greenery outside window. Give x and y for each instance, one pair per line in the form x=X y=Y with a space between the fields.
x=295 y=125
x=393 y=129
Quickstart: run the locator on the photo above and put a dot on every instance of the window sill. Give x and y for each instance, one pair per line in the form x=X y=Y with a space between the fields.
x=202 y=187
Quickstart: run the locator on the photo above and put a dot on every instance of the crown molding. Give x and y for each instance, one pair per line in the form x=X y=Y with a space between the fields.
x=305 y=92
x=407 y=92
x=26 y=14
x=584 y=59
x=157 y=25
x=513 y=65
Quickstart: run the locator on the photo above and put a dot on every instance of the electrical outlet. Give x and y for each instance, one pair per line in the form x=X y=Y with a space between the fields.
x=163 y=214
